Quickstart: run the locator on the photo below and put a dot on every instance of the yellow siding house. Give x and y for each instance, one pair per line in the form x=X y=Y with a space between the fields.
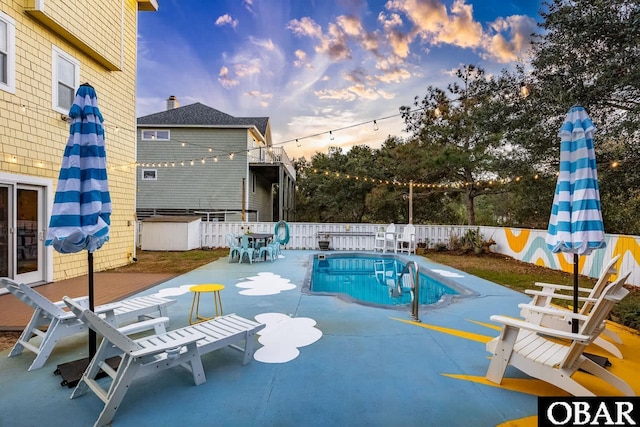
x=47 y=49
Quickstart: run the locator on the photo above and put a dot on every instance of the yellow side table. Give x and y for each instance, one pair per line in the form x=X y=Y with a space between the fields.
x=217 y=301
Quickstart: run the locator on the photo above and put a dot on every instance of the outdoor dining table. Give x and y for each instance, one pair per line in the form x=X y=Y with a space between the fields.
x=259 y=240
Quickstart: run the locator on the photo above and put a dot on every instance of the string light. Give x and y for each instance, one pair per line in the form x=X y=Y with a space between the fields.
x=486 y=184
x=525 y=91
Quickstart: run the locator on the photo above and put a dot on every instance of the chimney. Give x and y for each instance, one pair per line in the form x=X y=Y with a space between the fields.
x=172 y=102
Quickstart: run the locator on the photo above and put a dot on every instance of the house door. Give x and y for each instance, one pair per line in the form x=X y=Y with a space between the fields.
x=22 y=215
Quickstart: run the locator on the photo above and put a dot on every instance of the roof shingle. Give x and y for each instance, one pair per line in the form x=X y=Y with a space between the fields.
x=202 y=115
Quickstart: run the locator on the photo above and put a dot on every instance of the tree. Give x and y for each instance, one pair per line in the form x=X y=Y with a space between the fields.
x=333 y=187
x=588 y=54
x=461 y=132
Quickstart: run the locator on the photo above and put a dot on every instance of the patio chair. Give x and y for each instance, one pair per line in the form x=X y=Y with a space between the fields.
x=544 y=296
x=246 y=249
x=234 y=249
x=50 y=323
x=386 y=239
x=536 y=351
x=275 y=243
x=406 y=242
x=267 y=250
x=150 y=355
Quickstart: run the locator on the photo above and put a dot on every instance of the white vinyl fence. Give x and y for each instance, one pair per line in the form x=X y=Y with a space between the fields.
x=526 y=245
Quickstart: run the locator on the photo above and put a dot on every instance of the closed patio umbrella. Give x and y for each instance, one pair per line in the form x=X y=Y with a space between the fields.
x=81 y=211
x=575 y=225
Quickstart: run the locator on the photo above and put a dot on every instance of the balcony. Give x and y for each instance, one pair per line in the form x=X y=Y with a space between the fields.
x=275 y=156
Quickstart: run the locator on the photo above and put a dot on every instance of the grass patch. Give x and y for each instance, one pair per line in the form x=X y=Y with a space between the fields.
x=177 y=262
x=519 y=275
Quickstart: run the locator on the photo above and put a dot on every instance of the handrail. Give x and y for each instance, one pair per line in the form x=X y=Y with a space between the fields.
x=415 y=287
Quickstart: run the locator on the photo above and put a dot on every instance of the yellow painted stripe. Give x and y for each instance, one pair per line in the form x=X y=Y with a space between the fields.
x=521 y=385
x=486 y=325
x=455 y=332
x=522 y=422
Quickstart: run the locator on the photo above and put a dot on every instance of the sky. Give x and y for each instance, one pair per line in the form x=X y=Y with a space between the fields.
x=315 y=66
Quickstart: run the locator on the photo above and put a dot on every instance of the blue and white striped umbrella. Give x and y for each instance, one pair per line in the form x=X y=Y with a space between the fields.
x=575 y=225
x=81 y=210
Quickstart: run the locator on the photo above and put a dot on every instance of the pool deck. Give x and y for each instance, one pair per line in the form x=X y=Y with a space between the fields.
x=370 y=366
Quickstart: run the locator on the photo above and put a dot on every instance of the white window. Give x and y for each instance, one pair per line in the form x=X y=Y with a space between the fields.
x=66 y=79
x=149 y=174
x=7 y=53
x=155 y=135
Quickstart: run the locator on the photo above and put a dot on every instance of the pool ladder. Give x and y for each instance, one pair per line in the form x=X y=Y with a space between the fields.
x=410 y=277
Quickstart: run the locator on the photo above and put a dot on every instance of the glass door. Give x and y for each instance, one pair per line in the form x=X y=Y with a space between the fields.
x=4 y=231
x=29 y=234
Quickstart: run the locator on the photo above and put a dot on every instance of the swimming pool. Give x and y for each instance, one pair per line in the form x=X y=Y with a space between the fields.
x=368 y=278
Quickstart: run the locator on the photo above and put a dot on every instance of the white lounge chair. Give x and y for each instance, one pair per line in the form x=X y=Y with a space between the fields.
x=386 y=239
x=406 y=242
x=50 y=322
x=536 y=351
x=548 y=291
x=151 y=354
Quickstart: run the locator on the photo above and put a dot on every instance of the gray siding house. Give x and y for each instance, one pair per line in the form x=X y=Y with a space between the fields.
x=198 y=160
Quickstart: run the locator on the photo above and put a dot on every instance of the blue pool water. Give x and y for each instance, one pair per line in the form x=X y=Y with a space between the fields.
x=368 y=278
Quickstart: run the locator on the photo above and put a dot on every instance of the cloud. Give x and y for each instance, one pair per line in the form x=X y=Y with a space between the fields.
x=226 y=19
x=305 y=27
x=353 y=92
x=392 y=21
x=359 y=75
x=247 y=69
x=301 y=59
x=435 y=25
x=248 y=5
x=283 y=335
x=427 y=15
x=340 y=94
x=266 y=44
x=263 y=98
x=224 y=79
x=334 y=44
x=395 y=75
x=265 y=284
x=399 y=43
x=461 y=30
x=351 y=25
x=392 y=70
x=519 y=29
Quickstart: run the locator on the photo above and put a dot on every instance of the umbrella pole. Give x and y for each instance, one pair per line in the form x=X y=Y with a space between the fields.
x=574 y=322
x=92 y=334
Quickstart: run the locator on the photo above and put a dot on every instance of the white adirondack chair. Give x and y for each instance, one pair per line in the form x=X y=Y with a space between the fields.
x=50 y=322
x=535 y=350
x=406 y=242
x=386 y=239
x=543 y=298
x=152 y=354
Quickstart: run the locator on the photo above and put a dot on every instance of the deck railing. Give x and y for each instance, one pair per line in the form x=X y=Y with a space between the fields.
x=525 y=245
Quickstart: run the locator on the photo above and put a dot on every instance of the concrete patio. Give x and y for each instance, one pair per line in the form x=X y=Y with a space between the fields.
x=367 y=366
